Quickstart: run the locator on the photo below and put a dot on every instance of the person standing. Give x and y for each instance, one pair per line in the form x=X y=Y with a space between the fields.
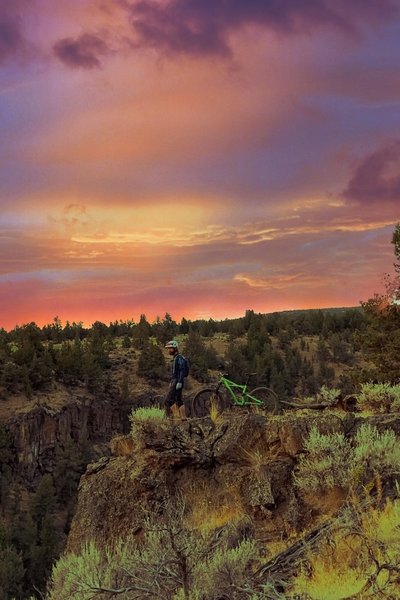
x=179 y=369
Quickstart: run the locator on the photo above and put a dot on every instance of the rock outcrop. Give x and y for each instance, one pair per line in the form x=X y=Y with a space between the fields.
x=243 y=461
x=38 y=433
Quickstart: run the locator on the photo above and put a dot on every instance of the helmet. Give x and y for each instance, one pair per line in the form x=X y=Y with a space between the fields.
x=172 y=344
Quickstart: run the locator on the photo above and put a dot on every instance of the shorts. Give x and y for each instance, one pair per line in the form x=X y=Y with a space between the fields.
x=174 y=396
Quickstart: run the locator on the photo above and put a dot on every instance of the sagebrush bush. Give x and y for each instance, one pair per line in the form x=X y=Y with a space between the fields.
x=328 y=395
x=224 y=571
x=325 y=464
x=74 y=575
x=379 y=397
x=170 y=562
x=331 y=460
x=325 y=395
x=375 y=452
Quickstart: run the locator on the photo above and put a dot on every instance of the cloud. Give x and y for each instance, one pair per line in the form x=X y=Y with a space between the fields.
x=12 y=40
x=199 y=27
x=83 y=52
x=376 y=178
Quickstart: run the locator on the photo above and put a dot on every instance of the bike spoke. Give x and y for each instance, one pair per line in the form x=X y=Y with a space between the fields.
x=268 y=398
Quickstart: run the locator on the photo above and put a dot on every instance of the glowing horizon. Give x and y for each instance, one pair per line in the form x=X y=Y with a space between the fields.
x=195 y=158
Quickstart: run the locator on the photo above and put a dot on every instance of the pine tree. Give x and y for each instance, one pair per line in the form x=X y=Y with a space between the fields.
x=381 y=339
x=44 y=551
x=198 y=356
x=151 y=364
x=11 y=573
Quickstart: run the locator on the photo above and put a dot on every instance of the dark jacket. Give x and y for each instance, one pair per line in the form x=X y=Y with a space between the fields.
x=177 y=368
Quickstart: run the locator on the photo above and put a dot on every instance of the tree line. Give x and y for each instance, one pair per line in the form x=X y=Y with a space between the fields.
x=32 y=357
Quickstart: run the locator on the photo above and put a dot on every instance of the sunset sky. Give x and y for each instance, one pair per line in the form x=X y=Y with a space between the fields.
x=195 y=157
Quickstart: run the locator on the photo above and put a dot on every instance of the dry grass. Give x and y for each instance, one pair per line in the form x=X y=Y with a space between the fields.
x=256 y=458
x=357 y=559
x=122 y=445
x=215 y=415
x=327 y=503
x=211 y=508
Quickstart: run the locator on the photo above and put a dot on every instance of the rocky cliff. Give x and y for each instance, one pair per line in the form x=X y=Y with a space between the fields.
x=37 y=433
x=236 y=468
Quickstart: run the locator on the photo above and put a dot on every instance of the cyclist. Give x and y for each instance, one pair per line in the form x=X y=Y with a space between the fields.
x=173 y=402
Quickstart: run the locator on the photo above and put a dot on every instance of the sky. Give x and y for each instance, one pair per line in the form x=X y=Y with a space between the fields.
x=195 y=157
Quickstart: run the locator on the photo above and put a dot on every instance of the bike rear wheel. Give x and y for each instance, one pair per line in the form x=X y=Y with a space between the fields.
x=204 y=400
x=269 y=399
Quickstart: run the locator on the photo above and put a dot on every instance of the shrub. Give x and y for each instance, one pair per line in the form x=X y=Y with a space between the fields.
x=143 y=414
x=375 y=452
x=332 y=461
x=328 y=395
x=360 y=559
x=196 y=568
x=324 y=395
x=325 y=464
x=224 y=572
x=74 y=575
x=379 y=397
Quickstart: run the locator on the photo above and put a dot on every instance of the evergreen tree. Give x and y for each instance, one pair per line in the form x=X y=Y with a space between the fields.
x=11 y=573
x=70 y=464
x=141 y=332
x=184 y=326
x=396 y=244
x=6 y=462
x=43 y=501
x=151 y=364
x=236 y=362
x=44 y=551
x=381 y=339
x=165 y=329
x=126 y=341
x=198 y=355
x=69 y=362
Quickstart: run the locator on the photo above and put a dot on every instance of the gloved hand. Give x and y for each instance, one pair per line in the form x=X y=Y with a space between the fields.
x=178 y=386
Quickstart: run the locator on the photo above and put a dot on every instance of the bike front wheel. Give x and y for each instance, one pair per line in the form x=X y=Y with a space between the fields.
x=204 y=400
x=268 y=398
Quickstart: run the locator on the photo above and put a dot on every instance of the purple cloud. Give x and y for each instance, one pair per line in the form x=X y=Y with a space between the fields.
x=202 y=26
x=12 y=40
x=376 y=178
x=83 y=52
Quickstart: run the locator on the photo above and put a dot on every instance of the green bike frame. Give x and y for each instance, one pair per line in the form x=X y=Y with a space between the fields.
x=261 y=397
x=243 y=398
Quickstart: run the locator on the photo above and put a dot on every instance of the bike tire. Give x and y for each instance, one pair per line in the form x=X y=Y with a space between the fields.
x=203 y=400
x=269 y=399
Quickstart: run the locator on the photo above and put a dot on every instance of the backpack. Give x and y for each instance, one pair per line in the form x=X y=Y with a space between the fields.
x=185 y=365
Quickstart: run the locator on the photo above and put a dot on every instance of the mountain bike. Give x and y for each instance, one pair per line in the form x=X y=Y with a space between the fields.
x=227 y=393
